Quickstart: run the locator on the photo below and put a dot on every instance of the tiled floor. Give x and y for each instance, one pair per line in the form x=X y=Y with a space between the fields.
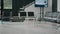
x=28 y=27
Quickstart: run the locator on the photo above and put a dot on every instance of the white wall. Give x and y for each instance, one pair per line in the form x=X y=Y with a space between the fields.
x=36 y=10
x=58 y=5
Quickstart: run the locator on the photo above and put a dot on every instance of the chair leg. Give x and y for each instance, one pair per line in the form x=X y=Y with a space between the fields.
x=57 y=27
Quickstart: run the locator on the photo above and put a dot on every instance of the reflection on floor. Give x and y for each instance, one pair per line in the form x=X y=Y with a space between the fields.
x=28 y=27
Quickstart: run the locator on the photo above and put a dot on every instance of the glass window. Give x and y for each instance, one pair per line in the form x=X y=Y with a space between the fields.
x=7 y=4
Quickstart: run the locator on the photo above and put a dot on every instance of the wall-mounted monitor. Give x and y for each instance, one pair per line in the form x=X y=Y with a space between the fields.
x=41 y=3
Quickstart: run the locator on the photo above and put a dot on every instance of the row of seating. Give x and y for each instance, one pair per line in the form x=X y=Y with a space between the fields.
x=21 y=16
x=28 y=15
x=52 y=16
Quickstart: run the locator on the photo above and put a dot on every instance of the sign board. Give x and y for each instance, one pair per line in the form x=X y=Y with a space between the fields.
x=41 y=3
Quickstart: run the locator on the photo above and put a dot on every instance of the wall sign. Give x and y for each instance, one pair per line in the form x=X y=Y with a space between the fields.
x=41 y=3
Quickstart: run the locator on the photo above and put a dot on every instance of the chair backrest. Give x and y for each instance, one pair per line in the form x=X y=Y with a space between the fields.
x=48 y=14
x=22 y=14
x=59 y=16
x=6 y=13
x=30 y=14
x=54 y=14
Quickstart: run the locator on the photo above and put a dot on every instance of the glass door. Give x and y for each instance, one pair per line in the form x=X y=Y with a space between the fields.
x=6 y=6
x=54 y=5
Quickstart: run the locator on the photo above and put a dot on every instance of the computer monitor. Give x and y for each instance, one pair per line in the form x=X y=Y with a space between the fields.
x=22 y=14
x=30 y=13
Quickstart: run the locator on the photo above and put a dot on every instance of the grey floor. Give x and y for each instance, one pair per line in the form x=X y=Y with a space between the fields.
x=29 y=27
